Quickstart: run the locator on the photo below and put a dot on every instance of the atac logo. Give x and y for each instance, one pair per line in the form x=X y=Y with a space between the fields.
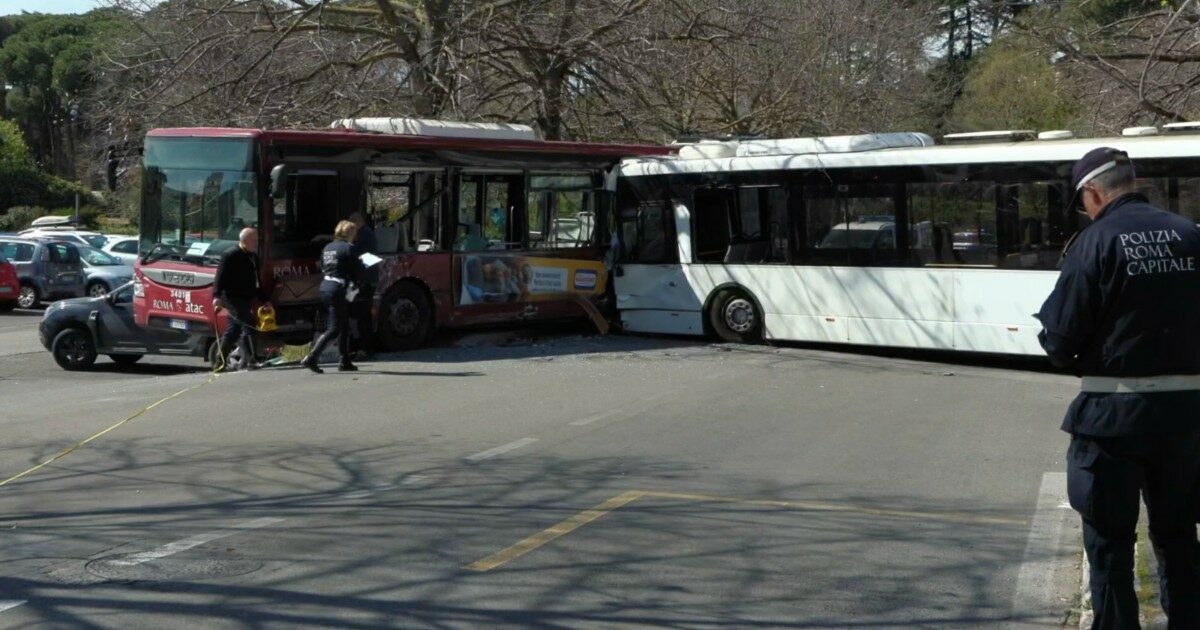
x=585 y=280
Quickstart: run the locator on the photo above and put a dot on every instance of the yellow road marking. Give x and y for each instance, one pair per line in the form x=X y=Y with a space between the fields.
x=512 y=552
x=546 y=535
x=77 y=446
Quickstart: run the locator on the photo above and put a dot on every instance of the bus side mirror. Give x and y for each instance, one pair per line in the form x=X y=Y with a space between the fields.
x=110 y=168
x=277 y=188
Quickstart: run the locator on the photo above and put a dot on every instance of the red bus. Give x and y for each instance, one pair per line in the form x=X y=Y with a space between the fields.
x=476 y=224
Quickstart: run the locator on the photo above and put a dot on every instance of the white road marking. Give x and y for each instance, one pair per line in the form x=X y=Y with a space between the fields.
x=641 y=406
x=1046 y=580
x=590 y=419
x=500 y=450
x=361 y=494
x=8 y=604
x=412 y=480
x=194 y=541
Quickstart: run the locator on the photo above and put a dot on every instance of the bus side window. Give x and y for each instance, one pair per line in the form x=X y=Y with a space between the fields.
x=1189 y=198
x=760 y=234
x=712 y=213
x=643 y=232
x=961 y=219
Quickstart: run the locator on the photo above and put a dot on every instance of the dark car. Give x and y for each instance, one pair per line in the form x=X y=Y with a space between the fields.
x=75 y=331
x=47 y=269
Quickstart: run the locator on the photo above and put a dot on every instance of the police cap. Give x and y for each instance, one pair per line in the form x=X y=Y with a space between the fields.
x=1094 y=163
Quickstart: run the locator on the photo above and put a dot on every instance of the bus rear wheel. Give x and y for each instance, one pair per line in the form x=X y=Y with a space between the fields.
x=405 y=317
x=735 y=317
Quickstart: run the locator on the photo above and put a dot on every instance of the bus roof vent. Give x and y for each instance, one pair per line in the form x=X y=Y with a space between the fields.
x=1139 y=131
x=833 y=144
x=1010 y=135
x=1182 y=127
x=708 y=150
x=440 y=128
x=1057 y=134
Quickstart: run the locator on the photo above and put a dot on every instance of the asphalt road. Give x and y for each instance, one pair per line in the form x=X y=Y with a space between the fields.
x=571 y=482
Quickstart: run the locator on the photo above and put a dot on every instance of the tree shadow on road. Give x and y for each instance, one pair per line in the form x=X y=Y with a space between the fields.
x=381 y=536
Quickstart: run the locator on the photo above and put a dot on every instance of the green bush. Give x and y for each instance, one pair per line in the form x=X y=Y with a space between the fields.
x=19 y=218
x=21 y=183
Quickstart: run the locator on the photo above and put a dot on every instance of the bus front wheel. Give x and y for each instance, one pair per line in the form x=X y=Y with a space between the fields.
x=405 y=317
x=735 y=317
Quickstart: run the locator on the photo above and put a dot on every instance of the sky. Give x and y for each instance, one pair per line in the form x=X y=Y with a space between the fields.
x=8 y=7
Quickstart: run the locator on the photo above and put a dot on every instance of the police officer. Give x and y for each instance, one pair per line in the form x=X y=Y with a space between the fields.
x=235 y=288
x=343 y=274
x=1125 y=315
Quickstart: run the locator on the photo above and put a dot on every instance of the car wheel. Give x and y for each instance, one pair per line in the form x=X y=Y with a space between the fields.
x=231 y=361
x=97 y=289
x=405 y=317
x=28 y=298
x=735 y=317
x=74 y=349
x=125 y=360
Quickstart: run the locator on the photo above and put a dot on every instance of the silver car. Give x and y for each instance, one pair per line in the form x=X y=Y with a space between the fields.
x=103 y=272
x=47 y=270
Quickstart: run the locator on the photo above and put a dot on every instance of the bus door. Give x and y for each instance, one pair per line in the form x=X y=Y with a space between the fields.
x=301 y=224
x=487 y=242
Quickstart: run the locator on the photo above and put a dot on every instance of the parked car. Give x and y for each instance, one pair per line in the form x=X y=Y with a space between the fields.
x=76 y=331
x=46 y=269
x=67 y=233
x=103 y=272
x=123 y=247
x=10 y=286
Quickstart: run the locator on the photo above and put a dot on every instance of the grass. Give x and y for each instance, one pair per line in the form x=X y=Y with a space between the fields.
x=293 y=354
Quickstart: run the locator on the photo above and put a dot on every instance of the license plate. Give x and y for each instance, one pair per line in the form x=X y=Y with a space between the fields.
x=68 y=279
x=179 y=324
x=5 y=289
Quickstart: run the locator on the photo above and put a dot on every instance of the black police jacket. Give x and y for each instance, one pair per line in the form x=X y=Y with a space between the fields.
x=237 y=276
x=1127 y=303
x=340 y=260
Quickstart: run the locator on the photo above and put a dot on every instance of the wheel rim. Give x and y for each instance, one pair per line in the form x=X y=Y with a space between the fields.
x=98 y=290
x=75 y=349
x=739 y=315
x=404 y=316
x=27 y=298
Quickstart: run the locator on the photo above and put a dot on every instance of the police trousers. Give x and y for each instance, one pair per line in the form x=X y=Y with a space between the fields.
x=1105 y=478
x=338 y=321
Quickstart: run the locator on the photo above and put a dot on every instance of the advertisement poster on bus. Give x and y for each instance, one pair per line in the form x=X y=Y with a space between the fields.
x=489 y=278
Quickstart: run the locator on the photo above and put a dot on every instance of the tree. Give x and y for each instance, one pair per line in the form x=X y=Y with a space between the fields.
x=47 y=61
x=1132 y=61
x=1014 y=86
x=21 y=183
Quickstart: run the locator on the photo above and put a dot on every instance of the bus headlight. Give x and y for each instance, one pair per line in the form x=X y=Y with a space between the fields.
x=139 y=290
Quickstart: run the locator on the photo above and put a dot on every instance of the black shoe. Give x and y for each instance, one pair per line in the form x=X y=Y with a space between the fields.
x=310 y=362
x=346 y=366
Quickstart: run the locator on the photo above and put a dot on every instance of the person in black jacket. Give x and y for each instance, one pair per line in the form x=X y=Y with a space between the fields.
x=235 y=288
x=1125 y=315
x=343 y=276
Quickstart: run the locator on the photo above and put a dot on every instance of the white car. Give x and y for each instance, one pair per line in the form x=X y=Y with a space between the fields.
x=123 y=247
x=69 y=234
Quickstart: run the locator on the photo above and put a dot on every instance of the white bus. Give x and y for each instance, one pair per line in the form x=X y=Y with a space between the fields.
x=881 y=240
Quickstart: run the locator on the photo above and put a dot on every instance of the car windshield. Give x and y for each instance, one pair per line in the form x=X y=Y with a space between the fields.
x=197 y=195
x=843 y=237
x=93 y=257
x=96 y=240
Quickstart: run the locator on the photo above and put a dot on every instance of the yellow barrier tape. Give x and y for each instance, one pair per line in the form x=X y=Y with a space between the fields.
x=72 y=449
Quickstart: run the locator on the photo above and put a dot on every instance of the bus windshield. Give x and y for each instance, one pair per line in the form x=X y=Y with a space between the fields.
x=197 y=195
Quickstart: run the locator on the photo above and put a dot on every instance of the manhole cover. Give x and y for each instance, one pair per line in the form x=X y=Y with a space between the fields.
x=172 y=569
